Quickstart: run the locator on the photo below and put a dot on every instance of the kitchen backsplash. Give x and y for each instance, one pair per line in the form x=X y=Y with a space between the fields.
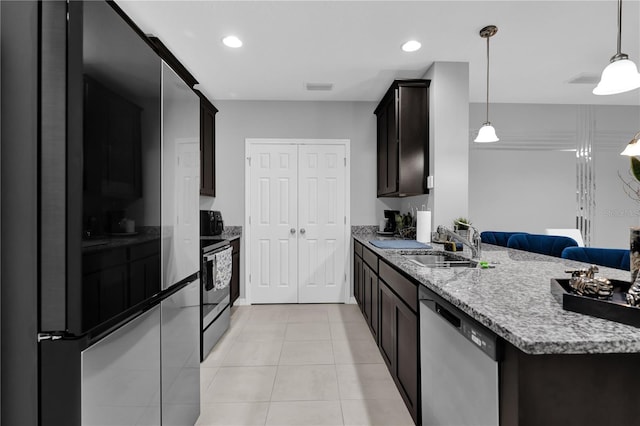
x=364 y=229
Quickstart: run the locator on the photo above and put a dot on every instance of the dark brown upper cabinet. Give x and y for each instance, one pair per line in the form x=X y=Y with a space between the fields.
x=207 y=147
x=403 y=139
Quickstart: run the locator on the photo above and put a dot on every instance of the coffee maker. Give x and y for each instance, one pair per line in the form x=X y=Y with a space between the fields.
x=390 y=219
x=211 y=223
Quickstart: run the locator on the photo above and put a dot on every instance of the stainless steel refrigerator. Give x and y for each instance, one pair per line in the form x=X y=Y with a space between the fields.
x=119 y=176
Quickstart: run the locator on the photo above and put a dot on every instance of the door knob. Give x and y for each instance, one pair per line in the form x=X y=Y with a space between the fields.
x=302 y=231
x=292 y=231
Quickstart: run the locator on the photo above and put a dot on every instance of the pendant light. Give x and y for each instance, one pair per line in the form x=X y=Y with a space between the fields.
x=633 y=147
x=621 y=75
x=487 y=133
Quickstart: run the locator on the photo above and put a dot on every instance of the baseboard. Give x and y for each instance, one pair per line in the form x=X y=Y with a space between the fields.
x=243 y=302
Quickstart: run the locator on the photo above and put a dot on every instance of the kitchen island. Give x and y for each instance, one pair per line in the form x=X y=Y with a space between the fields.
x=555 y=366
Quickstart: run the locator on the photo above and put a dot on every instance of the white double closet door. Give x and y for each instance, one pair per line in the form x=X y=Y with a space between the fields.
x=297 y=222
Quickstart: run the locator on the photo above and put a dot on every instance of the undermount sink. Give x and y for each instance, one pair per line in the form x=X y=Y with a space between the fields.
x=440 y=260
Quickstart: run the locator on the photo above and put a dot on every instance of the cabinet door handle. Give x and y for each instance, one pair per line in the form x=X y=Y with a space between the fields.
x=302 y=231
x=292 y=231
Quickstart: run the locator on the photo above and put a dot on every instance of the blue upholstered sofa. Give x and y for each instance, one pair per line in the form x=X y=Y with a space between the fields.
x=498 y=238
x=544 y=244
x=613 y=258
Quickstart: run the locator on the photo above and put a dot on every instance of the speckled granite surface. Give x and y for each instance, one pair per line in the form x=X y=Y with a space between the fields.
x=232 y=232
x=514 y=300
x=363 y=229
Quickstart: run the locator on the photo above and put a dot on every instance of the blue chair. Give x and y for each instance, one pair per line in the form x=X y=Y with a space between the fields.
x=498 y=238
x=613 y=258
x=544 y=244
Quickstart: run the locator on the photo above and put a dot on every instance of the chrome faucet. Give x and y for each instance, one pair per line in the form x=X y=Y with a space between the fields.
x=474 y=244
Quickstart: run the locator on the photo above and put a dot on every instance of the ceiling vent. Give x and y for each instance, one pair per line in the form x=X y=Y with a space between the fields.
x=322 y=87
x=585 y=78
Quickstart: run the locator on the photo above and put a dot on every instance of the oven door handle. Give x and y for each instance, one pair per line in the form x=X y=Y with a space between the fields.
x=210 y=257
x=209 y=272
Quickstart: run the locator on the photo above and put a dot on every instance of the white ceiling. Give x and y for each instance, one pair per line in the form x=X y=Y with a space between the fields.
x=540 y=46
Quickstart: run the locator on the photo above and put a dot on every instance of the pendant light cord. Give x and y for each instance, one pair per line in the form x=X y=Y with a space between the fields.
x=619 y=28
x=487 y=120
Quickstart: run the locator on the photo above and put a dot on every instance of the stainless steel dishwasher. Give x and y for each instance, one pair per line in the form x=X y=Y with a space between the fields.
x=459 y=364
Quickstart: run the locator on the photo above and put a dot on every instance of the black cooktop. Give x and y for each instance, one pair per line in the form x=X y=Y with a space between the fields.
x=211 y=242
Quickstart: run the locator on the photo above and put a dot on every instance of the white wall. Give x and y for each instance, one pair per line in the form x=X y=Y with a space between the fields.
x=527 y=181
x=524 y=191
x=615 y=212
x=448 y=144
x=238 y=120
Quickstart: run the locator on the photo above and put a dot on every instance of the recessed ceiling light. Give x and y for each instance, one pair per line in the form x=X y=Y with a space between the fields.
x=411 y=46
x=232 y=41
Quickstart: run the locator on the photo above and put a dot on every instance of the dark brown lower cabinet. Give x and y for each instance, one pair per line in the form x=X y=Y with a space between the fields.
x=389 y=304
x=234 y=290
x=370 y=298
x=357 y=279
x=551 y=389
x=398 y=345
x=387 y=301
x=369 y=290
x=407 y=369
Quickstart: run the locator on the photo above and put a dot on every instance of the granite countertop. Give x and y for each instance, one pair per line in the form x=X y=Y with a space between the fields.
x=514 y=300
x=232 y=232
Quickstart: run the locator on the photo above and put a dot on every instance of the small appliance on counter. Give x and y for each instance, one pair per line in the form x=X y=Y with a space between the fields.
x=211 y=223
x=390 y=221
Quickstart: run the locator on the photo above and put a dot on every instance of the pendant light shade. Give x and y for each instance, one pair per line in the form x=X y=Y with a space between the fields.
x=633 y=147
x=621 y=75
x=487 y=133
x=618 y=77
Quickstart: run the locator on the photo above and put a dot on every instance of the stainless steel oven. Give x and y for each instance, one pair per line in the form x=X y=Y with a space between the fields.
x=215 y=301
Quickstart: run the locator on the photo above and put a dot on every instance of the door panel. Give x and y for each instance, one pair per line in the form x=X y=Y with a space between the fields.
x=366 y=292
x=180 y=351
x=273 y=211
x=321 y=213
x=121 y=375
x=406 y=353
x=297 y=219
x=386 y=331
x=180 y=228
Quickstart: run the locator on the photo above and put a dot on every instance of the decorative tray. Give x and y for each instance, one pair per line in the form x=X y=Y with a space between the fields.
x=614 y=309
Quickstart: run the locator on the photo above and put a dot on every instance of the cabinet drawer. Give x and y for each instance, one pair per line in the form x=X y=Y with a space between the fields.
x=371 y=258
x=357 y=248
x=405 y=289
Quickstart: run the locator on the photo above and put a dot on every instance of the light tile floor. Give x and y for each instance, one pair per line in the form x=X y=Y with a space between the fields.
x=298 y=365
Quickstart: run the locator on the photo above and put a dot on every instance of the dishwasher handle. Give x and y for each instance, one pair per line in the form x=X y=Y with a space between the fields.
x=448 y=315
x=443 y=312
